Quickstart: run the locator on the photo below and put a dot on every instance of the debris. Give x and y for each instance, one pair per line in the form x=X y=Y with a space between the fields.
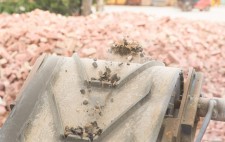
x=111 y=100
x=90 y=131
x=82 y=91
x=126 y=47
x=114 y=78
x=106 y=78
x=11 y=106
x=92 y=78
x=85 y=102
x=106 y=75
x=130 y=58
x=74 y=131
x=141 y=54
x=120 y=64
x=94 y=64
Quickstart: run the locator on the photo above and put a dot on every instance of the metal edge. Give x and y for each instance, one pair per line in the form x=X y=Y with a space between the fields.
x=19 y=117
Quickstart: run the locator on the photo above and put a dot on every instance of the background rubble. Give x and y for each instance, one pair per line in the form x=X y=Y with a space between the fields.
x=177 y=42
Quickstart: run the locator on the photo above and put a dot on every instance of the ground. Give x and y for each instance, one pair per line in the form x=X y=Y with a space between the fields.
x=215 y=14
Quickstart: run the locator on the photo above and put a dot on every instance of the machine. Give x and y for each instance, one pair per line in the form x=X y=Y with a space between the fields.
x=127 y=98
x=188 y=5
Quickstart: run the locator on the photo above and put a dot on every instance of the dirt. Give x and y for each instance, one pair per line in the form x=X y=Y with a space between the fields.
x=142 y=55
x=114 y=78
x=126 y=47
x=85 y=102
x=107 y=77
x=89 y=131
x=82 y=91
x=120 y=64
x=182 y=82
x=94 y=64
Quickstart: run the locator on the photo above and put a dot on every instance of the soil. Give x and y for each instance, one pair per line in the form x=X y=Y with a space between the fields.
x=94 y=64
x=107 y=77
x=85 y=102
x=90 y=131
x=126 y=47
x=82 y=91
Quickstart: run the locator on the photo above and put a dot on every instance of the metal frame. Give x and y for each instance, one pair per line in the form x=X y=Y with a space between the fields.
x=182 y=126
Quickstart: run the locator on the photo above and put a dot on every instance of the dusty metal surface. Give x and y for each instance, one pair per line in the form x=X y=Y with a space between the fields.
x=190 y=117
x=124 y=110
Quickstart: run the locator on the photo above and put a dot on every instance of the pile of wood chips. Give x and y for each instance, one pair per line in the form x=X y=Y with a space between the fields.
x=177 y=42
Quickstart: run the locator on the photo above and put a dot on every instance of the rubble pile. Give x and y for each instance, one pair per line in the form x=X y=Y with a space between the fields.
x=177 y=42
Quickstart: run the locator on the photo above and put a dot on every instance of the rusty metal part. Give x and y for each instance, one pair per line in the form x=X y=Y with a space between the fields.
x=182 y=126
x=130 y=76
x=189 y=118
